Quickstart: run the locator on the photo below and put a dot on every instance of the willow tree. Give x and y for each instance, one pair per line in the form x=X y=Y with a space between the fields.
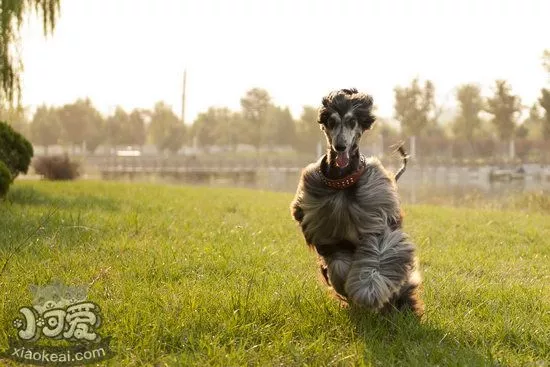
x=12 y=13
x=546 y=60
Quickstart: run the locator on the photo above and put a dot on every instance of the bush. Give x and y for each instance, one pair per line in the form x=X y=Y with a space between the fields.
x=5 y=179
x=15 y=151
x=57 y=167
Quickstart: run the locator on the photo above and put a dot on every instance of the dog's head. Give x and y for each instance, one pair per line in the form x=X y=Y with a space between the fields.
x=344 y=116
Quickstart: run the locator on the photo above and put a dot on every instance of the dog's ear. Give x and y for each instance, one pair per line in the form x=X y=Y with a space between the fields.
x=323 y=115
x=367 y=122
x=324 y=111
x=363 y=108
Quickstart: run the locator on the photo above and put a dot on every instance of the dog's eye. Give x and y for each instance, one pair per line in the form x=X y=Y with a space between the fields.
x=352 y=122
x=330 y=122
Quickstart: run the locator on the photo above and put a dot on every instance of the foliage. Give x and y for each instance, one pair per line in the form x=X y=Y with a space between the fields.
x=113 y=126
x=471 y=104
x=521 y=131
x=546 y=60
x=5 y=179
x=15 y=150
x=45 y=128
x=545 y=103
x=166 y=130
x=11 y=19
x=229 y=129
x=280 y=128
x=308 y=132
x=504 y=106
x=126 y=129
x=16 y=116
x=533 y=122
x=255 y=107
x=415 y=107
x=57 y=167
x=210 y=126
x=220 y=277
x=81 y=123
x=135 y=131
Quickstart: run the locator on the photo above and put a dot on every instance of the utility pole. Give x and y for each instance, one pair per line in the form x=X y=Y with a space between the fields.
x=183 y=96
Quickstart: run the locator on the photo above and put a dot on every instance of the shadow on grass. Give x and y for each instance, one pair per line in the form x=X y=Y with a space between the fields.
x=401 y=339
x=30 y=196
x=35 y=222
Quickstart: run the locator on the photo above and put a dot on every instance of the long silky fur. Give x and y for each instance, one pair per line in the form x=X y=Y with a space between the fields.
x=381 y=272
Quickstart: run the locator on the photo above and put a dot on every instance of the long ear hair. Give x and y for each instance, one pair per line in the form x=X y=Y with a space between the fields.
x=343 y=100
x=362 y=105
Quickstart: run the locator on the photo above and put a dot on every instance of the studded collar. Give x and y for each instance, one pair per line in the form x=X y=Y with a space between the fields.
x=347 y=181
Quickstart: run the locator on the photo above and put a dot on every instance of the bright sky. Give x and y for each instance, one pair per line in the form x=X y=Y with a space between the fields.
x=132 y=52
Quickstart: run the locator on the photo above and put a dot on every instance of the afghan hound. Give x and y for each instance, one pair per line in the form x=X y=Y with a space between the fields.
x=349 y=210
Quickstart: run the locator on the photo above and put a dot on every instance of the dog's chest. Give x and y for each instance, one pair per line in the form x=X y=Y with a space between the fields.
x=331 y=219
x=349 y=214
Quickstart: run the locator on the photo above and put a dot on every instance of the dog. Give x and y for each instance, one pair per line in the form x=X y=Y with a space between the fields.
x=349 y=211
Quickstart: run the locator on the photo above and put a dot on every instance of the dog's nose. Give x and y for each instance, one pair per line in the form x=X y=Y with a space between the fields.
x=340 y=147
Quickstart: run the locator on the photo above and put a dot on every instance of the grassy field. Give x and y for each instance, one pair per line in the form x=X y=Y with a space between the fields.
x=196 y=276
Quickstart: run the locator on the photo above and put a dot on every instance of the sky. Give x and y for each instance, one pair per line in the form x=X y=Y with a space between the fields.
x=133 y=52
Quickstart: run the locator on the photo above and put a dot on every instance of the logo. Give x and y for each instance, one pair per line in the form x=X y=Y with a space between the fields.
x=62 y=314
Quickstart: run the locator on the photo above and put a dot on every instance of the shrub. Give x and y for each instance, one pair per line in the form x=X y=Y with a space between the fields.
x=5 y=179
x=57 y=167
x=15 y=151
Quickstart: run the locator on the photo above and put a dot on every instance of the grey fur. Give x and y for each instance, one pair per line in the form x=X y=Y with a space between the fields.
x=357 y=231
x=384 y=258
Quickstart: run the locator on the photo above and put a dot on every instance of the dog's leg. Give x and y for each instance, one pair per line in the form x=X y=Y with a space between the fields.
x=381 y=265
x=338 y=266
x=295 y=208
x=408 y=297
x=336 y=262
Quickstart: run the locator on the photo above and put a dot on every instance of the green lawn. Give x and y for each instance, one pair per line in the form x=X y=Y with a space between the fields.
x=198 y=276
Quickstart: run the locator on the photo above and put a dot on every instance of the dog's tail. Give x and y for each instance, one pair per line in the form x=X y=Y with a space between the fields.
x=405 y=158
x=382 y=265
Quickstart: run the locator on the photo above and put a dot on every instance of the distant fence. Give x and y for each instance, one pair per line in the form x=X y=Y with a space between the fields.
x=440 y=150
x=191 y=169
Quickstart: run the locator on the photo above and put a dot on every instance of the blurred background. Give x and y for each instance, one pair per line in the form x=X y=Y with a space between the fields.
x=226 y=93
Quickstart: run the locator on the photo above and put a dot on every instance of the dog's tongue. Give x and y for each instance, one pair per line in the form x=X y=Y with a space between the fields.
x=342 y=159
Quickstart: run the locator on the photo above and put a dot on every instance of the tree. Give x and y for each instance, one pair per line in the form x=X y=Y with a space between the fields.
x=166 y=130
x=255 y=105
x=308 y=131
x=5 y=179
x=81 y=123
x=11 y=19
x=135 y=130
x=126 y=129
x=16 y=116
x=114 y=127
x=545 y=103
x=208 y=125
x=415 y=107
x=15 y=151
x=471 y=104
x=522 y=131
x=280 y=128
x=176 y=138
x=504 y=107
x=533 y=122
x=45 y=127
x=546 y=60
x=227 y=131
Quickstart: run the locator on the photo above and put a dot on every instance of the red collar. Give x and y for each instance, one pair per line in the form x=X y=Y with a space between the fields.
x=345 y=182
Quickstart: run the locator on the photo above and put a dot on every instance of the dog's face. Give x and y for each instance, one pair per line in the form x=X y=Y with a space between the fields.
x=344 y=116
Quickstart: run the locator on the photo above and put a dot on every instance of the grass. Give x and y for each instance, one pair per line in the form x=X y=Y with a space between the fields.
x=197 y=276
